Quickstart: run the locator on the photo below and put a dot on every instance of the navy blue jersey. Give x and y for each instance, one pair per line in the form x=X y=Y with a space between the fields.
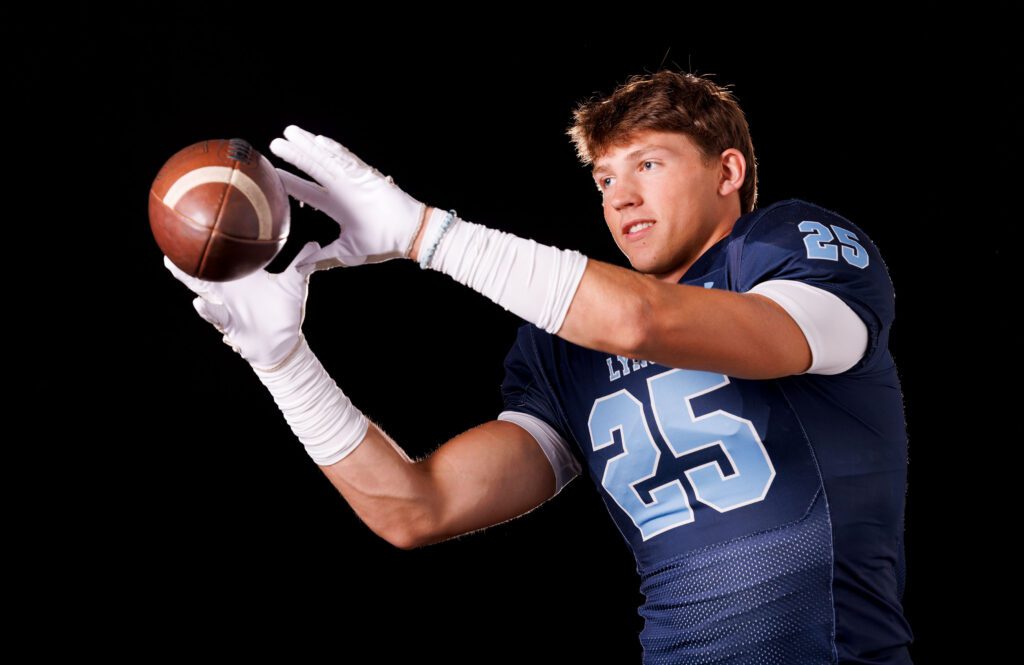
x=766 y=516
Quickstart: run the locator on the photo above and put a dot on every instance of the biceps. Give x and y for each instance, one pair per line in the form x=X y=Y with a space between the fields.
x=836 y=335
x=744 y=335
x=487 y=475
x=788 y=351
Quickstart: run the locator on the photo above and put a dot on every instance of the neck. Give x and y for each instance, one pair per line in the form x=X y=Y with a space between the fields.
x=673 y=276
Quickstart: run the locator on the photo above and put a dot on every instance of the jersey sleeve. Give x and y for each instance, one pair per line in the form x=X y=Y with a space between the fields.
x=804 y=243
x=528 y=405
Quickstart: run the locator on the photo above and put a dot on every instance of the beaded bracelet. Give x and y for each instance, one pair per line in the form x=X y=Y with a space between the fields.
x=425 y=258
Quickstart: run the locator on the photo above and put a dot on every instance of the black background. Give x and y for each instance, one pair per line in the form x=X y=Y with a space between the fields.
x=201 y=517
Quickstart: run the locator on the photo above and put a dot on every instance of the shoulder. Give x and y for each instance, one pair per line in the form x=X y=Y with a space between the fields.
x=798 y=241
x=801 y=231
x=788 y=214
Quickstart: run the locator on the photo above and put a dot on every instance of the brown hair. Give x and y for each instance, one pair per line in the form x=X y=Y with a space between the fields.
x=674 y=102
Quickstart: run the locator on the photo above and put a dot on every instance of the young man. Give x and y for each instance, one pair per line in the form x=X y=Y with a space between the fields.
x=732 y=397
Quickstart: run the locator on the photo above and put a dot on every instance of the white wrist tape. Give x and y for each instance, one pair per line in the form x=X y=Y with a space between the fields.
x=319 y=413
x=533 y=281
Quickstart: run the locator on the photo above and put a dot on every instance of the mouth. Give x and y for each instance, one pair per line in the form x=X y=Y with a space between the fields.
x=637 y=228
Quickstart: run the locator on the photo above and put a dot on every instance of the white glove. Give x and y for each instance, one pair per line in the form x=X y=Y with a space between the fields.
x=378 y=220
x=261 y=317
x=260 y=314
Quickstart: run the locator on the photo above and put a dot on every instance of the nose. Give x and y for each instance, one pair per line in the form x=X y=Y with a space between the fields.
x=624 y=193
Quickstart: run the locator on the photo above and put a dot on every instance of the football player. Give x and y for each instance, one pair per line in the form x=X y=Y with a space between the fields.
x=732 y=397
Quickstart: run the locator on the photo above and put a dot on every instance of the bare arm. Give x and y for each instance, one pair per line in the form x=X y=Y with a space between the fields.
x=745 y=335
x=484 y=476
x=627 y=313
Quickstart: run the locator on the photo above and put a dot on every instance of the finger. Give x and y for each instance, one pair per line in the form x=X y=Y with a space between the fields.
x=298 y=135
x=234 y=347
x=304 y=190
x=312 y=258
x=331 y=150
x=304 y=159
x=340 y=151
x=211 y=291
x=217 y=315
x=298 y=271
x=327 y=260
x=308 y=250
x=196 y=285
x=342 y=163
x=294 y=130
x=334 y=255
x=306 y=142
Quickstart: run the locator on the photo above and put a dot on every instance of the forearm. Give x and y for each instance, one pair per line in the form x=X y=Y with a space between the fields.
x=624 y=312
x=606 y=309
x=385 y=488
x=607 y=312
x=388 y=491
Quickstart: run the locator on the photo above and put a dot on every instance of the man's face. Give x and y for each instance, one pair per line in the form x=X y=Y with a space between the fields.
x=660 y=176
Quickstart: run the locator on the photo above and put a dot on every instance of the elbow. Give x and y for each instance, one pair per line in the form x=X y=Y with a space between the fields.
x=406 y=540
x=403 y=539
x=410 y=539
x=412 y=531
x=400 y=535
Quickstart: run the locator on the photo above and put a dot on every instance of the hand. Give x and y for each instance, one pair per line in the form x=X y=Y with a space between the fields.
x=378 y=220
x=260 y=314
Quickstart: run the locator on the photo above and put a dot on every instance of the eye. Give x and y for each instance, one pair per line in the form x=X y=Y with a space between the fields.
x=601 y=184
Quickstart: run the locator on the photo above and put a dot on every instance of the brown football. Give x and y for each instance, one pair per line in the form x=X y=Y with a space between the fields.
x=218 y=210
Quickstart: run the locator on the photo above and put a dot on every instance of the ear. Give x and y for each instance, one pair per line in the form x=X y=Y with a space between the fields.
x=734 y=171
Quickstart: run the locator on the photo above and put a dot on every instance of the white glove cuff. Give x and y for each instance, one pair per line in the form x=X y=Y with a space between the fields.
x=319 y=413
x=534 y=281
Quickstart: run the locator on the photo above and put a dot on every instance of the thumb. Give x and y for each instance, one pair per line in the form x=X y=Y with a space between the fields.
x=305 y=255
x=331 y=256
x=217 y=315
x=196 y=285
x=305 y=191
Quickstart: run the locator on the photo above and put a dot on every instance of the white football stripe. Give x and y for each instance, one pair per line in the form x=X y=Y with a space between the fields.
x=233 y=177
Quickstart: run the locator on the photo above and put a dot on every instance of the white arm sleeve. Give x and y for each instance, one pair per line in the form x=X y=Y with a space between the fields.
x=534 y=281
x=836 y=335
x=564 y=463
